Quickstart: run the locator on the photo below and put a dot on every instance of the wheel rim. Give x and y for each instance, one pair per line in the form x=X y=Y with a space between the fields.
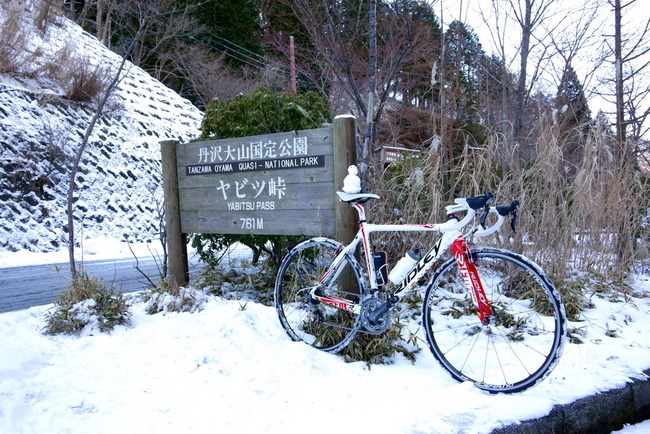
x=520 y=345
x=315 y=323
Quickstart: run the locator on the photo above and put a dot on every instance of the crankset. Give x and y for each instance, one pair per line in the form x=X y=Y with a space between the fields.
x=375 y=315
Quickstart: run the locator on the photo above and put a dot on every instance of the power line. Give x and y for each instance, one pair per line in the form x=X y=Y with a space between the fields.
x=203 y=37
x=226 y=46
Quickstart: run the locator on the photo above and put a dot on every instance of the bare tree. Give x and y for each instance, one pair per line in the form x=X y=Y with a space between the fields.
x=631 y=59
x=578 y=39
x=163 y=25
x=101 y=101
x=371 y=112
x=535 y=21
x=358 y=52
x=529 y=16
x=103 y=18
x=212 y=78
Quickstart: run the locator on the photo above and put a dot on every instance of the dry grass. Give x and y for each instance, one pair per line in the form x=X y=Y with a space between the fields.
x=85 y=81
x=14 y=43
x=587 y=218
x=87 y=301
x=81 y=80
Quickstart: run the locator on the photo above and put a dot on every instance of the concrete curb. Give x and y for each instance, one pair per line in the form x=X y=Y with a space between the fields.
x=600 y=413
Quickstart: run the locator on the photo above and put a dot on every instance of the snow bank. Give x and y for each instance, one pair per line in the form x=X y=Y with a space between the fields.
x=232 y=368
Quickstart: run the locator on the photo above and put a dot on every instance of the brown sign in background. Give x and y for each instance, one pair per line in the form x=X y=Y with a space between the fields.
x=274 y=184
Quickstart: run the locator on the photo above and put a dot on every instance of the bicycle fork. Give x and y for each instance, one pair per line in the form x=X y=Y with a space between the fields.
x=473 y=282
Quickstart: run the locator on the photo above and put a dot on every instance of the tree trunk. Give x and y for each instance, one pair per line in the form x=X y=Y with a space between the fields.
x=75 y=166
x=625 y=157
x=521 y=94
x=98 y=21
x=621 y=136
x=368 y=138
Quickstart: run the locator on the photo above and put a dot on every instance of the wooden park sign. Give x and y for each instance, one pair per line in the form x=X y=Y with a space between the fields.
x=273 y=184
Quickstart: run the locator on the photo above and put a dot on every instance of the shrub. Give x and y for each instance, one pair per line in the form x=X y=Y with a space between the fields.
x=381 y=349
x=87 y=304
x=210 y=247
x=239 y=281
x=164 y=298
x=262 y=112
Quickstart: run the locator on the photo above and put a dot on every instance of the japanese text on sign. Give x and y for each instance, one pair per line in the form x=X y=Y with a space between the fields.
x=275 y=187
x=260 y=150
x=255 y=184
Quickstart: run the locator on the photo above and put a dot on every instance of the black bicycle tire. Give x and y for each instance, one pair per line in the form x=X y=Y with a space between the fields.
x=283 y=293
x=442 y=354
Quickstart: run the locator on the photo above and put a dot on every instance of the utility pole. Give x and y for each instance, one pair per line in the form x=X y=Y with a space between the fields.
x=292 y=57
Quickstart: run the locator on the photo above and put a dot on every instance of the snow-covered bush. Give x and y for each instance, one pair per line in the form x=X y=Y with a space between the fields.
x=240 y=280
x=87 y=304
x=167 y=298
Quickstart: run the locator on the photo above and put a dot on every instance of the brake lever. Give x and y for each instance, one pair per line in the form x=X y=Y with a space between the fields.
x=513 y=213
x=483 y=218
x=488 y=199
x=513 y=222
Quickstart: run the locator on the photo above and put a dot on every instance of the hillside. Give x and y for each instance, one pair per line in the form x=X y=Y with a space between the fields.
x=118 y=188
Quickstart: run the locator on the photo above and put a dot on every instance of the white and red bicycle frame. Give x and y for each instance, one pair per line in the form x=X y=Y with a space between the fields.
x=451 y=237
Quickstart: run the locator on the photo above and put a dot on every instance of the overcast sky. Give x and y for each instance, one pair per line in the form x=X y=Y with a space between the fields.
x=566 y=20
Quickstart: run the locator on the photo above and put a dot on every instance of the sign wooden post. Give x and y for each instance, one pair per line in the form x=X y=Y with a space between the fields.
x=345 y=155
x=176 y=242
x=273 y=184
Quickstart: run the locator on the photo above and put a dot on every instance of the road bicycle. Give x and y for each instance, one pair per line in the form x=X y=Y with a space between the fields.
x=490 y=316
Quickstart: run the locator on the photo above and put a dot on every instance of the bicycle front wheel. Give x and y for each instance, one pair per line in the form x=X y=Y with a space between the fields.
x=319 y=324
x=522 y=342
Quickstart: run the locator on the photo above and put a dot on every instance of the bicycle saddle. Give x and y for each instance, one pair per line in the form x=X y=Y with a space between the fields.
x=356 y=197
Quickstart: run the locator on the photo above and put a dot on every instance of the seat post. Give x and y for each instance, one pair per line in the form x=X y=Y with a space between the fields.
x=360 y=210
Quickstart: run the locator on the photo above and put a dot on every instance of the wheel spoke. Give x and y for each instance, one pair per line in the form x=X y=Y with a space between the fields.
x=306 y=319
x=522 y=341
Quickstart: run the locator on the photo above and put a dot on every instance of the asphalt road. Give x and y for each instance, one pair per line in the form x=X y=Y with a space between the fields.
x=35 y=285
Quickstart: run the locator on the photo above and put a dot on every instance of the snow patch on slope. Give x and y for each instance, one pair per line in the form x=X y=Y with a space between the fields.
x=118 y=187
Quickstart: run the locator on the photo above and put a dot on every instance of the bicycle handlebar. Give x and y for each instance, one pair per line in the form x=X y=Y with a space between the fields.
x=473 y=204
x=502 y=212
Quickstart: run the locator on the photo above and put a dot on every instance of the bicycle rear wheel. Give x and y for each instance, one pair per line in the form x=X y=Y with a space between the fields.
x=316 y=323
x=523 y=341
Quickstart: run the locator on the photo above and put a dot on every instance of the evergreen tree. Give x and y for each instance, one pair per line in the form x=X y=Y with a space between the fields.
x=571 y=95
x=572 y=116
x=495 y=87
x=261 y=112
x=463 y=53
x=414 y=82
x=236 y=24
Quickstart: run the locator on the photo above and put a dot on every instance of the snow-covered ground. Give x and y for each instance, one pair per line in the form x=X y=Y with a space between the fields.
x=232 y=368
